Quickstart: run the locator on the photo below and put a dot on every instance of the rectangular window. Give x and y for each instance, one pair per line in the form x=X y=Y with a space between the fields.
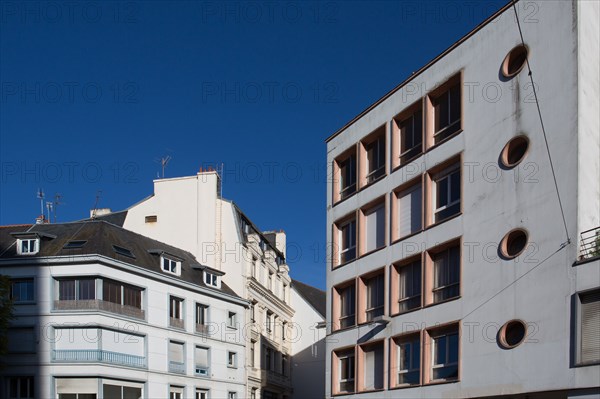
x=375 y=228
x=444 y=355
x=20 y=388
x=347 y=298
x=132 y=296
x=375 y=159
x=446 y=274
x=211 y=279
x=372 y=378
x=232 y=395
x=411 y=137
x=409 y=290
x=21 y=290
x=201 y=394
x=447 y=193
x=78 y=289
x=347 y=241
x=175 y=392
x=28 y=246
x=201 y=314
x=447 y=113
x=409 y=360
x=120 y=392
x=269 y=322
x=268 y=358
x=111 y=291
x=21 y=340
x=231 y=359
x=346 y=371
x=176 y=312
x=231 y=320
x=589 y=328
x=202 y=365
x=284 y=365
x=252 y=353
x=347 y=176
x=171 y=266
x=409 y=211
x=176 y=357
x=375 y=296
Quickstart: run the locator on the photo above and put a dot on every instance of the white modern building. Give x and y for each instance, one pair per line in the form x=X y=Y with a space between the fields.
x=189 y=212
x=455 y=271
x=105 y=313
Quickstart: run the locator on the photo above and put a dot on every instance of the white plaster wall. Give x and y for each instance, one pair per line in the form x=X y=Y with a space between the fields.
x=494 y=202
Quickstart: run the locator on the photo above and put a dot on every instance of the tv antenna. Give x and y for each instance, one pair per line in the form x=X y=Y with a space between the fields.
x=56 y=203
x=164 y=161
x=98 y=193
x=40 y=196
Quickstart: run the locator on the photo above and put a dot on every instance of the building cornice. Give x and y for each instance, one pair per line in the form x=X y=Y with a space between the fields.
x=269 y=297
x=85 y=259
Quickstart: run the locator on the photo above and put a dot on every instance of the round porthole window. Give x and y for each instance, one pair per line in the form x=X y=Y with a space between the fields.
x=515 y=61
x=512 y=334
x=513 y=243
x=514 y=151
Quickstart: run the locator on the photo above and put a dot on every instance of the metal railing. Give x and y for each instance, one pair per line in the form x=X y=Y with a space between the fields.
x=177 y=323
x=98 y=304
x=97 y=355
x=176 y=367
x=590 y=244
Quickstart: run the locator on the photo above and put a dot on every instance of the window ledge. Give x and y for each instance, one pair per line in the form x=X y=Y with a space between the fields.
x=407 y=311
x=434 y=146
x=442 y=302
x=586 y=364
x=343 y=329
x=405 y=386
x=371 y=252
x=397 y=240
x=24 y=303
x=371 y=390
x=440 y=382
x=432 y=225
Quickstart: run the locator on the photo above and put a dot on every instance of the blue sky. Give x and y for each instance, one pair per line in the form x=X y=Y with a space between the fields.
x=93 y=93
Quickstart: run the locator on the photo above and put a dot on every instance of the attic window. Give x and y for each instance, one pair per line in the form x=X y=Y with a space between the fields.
x=28 y=246
x=151 y=219
x=170 y=265
x=123 y=251
x=74 y=244
x=211 y=279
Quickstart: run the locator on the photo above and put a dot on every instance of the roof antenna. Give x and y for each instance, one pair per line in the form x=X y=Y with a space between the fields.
x=163 y=161
x=56 y=203
x=40 y=196
x=50 y=208
x=98 y=193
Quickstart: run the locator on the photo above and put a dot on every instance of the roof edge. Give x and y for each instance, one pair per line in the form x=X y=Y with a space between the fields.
x=421 y=70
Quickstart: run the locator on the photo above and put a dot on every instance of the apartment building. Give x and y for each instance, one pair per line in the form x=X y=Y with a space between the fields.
x=191 y=213
x=463 y=263
x=103 y=312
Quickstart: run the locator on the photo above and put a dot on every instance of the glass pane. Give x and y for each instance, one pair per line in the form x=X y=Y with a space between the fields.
x=453 y=348
x=454 y=104
x=440 y=350
x=87 y=289
x=111 y=291
x=442 y=192
x=455 y=186
x=66 y=290
x=111 y=392
x=441 y=112
x=70 y=396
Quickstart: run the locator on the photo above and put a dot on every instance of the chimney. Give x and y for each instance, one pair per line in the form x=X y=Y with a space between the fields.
x=277 y=238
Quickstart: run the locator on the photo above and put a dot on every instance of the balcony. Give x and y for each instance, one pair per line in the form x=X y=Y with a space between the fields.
x=202 y=329
x=177 y=323
x=98 y=304
x=176 y=367
x=97 y=356
x=275 y=378
x=589 y=244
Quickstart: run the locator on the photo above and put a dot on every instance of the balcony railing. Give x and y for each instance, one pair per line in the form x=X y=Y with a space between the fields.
x=201 y=328
x=275 y=378
x=177 y=323
x=176 y=367
x=96 y=355
x=590 y=244
x=98 y=304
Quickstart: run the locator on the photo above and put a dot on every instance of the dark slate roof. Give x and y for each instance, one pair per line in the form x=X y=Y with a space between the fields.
x=314 y=296
x=101 y=237
x=116 y=218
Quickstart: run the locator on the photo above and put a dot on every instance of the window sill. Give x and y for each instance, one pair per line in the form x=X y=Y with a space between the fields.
x=586 y=364
x=397 y=240
x=371 y=390
x=371 y=252
x=24 y=303
x=407 y=311
x=434 y=224
x=434 y=146
x=359 y=189
x=405 y=386
x=440 y=382
x=442 y=302
x=344 y=393
x=343 y=329
x=407 y=162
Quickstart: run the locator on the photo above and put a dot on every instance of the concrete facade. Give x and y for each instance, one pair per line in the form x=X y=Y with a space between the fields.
x=541 y=285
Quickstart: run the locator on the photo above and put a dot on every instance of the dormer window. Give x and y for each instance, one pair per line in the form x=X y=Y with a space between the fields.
x=28 y=246
x=211 y=279
x=170 y=265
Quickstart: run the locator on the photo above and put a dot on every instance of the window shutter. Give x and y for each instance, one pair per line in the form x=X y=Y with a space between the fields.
x=375 y=228
x=175 y=352
x=409 y=206
x=590 y=327
x=369 y=369
x=201 y=357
